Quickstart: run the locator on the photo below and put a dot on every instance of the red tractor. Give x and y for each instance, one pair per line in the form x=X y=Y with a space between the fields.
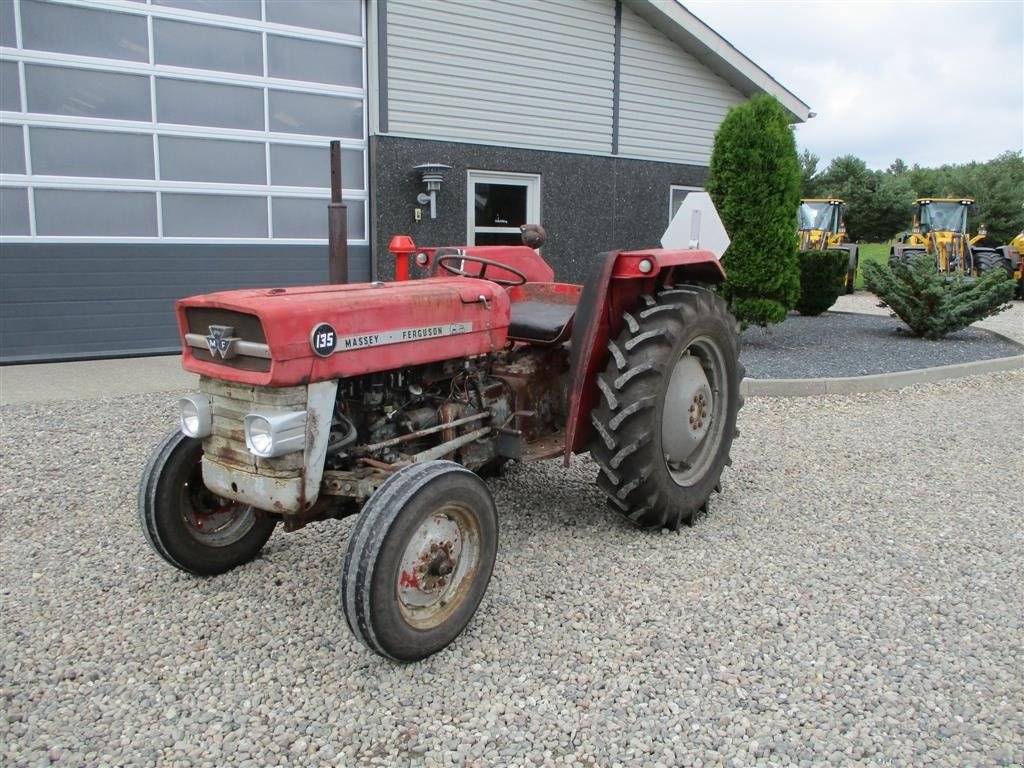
x=387 y=399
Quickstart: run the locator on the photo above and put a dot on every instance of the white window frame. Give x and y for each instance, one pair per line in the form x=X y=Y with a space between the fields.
x=531 y=181
x=672 y=189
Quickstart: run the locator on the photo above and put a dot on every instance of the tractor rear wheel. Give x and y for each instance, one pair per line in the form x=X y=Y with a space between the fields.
x=989 y=261
x=669 y=400
x=419 y=559
x=189 y=526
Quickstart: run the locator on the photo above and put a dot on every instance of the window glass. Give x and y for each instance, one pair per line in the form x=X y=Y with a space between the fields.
x=676 y=197
x=314 y=61
x=10 y=88
x=63 y=91
x=95 y=212
x=7 y=36
x=292 y=166
x=310 y=113
x=246 y=9
x=344 y=16
x=201 y=46
x=212 y=160
x=226 y=106
x=83 y=31
x=12 y=149
x=500 y=205
x=14 y=211
x=303 y=217
x=65 y=152
x=188 y=215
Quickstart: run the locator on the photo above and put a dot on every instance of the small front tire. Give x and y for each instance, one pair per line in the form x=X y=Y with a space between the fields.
x=190 y=527
x=418 y=560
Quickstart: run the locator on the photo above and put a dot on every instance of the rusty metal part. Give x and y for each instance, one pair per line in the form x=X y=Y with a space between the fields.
x=420 y=433
x=438 y=566
x=358 y=484
x=536 y=379
x=378 y=464
x=447 y=447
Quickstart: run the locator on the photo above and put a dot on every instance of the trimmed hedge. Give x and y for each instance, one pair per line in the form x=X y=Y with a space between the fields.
x=822 y=279
x=933 y=304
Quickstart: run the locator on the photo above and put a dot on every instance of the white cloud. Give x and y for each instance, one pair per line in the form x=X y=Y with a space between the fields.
x=930 y=83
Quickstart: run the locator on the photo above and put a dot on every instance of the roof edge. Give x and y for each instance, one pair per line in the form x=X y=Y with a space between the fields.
x=716 y=53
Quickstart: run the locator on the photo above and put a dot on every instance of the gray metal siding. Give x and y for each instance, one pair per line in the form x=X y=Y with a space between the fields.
x=519 y=74
x=670 y=103
x=73 y=301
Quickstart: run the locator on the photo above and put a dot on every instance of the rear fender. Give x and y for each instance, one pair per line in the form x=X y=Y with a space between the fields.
x=616 y=281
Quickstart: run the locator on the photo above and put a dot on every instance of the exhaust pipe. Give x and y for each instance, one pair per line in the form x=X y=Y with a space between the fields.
x=337 y=223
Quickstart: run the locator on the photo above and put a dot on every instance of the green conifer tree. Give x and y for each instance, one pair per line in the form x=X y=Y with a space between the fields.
x=933 y=304
x=754 y=180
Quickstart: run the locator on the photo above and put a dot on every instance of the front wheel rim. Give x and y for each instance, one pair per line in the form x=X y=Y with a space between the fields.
x=694 y=410
x=210 y=519
x=439 y=566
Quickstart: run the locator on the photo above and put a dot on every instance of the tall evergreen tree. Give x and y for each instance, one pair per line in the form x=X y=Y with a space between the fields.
x=754 y=180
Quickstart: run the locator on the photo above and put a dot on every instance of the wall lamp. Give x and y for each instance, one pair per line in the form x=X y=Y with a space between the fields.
x=432 y=174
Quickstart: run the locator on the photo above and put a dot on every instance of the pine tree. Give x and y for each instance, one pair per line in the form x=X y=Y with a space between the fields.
x=933 y=304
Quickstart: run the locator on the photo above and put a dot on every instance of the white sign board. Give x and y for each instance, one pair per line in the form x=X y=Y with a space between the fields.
x=696 y=225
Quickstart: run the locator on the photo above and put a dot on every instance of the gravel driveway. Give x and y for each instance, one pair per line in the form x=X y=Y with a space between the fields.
x=854 y=597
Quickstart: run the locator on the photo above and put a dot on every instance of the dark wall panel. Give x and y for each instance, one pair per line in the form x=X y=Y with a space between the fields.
x=588 y=204
x=74 y=301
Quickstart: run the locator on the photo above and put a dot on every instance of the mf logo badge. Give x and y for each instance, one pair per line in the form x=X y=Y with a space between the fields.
x=221 y=342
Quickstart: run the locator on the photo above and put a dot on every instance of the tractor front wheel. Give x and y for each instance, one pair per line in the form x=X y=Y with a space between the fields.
x=190 y=527
x=669 y=401
x=419 y=559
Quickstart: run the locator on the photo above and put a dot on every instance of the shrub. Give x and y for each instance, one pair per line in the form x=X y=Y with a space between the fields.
x=931 y=303
x=754 y=179
x=822 y=279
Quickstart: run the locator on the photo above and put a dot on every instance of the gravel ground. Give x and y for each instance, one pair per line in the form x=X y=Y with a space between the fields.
x=847 y=344
x=853 y=598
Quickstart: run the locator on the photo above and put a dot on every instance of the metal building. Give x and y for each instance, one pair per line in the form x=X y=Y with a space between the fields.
x=150 y=150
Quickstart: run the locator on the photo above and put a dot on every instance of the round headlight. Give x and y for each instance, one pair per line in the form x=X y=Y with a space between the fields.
x=196 y=416
x=645 y=266
x=259 y=435
x=422 y=259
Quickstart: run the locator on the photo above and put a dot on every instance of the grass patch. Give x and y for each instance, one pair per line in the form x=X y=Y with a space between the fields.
x=876 y=252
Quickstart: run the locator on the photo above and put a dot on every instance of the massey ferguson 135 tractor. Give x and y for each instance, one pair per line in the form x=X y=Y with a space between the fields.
x=386 y=398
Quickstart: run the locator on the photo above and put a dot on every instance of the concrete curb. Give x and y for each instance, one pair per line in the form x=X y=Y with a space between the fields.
x=876 y=382
x=881 y=381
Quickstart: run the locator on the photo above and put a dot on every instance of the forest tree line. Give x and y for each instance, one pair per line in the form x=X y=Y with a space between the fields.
x=879 y=202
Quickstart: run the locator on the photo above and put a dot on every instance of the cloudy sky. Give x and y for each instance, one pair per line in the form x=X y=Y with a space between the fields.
x=928 y=82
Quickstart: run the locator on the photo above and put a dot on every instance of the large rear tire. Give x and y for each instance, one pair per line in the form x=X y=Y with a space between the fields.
x=669 y=400
x=190 y=527
x=419 y=559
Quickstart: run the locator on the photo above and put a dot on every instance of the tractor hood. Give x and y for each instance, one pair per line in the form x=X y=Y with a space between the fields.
x=288 y=336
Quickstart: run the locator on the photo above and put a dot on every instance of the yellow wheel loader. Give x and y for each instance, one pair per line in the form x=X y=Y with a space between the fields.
x=1011 y=258
x=821 y=227
x=940 y=230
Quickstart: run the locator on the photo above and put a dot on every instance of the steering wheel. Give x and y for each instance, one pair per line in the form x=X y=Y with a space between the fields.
x=444 y=263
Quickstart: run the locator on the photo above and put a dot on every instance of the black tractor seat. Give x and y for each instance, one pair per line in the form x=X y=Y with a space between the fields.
x=542 y=313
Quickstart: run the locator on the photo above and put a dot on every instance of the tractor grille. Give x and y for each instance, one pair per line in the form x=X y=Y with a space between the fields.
x=231 y=403
x=249 y=353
